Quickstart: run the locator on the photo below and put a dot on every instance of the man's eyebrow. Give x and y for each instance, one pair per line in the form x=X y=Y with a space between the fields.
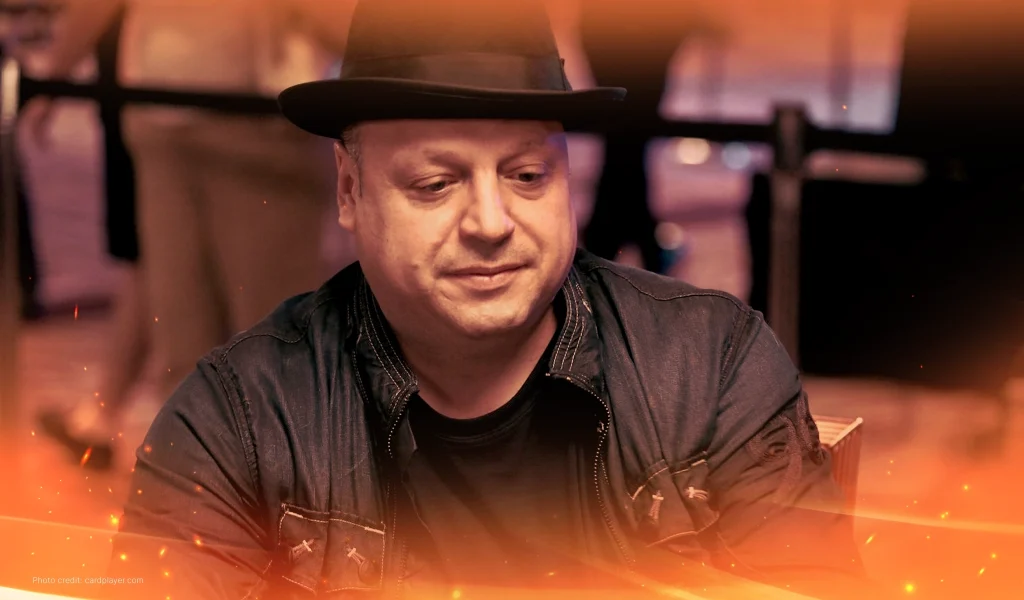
x=443 y=157
x=526 y=147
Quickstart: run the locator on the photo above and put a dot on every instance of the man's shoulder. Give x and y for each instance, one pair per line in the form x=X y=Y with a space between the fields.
x=636 y=292
x=300 y=325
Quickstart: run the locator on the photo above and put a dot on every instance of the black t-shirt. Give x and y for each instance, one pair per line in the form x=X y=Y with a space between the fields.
x=506 y=497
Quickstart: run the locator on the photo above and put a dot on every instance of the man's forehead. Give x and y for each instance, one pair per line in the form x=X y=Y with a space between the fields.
x=423 y=133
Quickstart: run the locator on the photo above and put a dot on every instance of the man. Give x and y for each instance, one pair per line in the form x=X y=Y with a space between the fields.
x=476 y=403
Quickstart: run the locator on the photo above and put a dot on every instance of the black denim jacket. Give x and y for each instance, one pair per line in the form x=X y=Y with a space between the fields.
x=274 y=470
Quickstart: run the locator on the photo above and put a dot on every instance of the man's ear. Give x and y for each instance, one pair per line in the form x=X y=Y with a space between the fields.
x=348 y=186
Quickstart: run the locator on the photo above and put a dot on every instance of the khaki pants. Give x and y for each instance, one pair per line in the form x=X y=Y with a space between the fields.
x=231 y=210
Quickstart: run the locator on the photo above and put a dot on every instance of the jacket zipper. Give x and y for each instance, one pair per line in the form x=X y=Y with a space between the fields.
x=598 y=464
x=389 y=492
x=400 y=575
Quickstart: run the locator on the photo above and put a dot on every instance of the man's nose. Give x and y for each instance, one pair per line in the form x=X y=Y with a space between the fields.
x=487 y=217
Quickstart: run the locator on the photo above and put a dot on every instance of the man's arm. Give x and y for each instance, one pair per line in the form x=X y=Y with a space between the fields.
x=192 y=527
x=781 y=515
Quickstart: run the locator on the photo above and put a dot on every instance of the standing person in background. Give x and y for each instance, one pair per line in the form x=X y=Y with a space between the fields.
x=129 y=345
x=631 y=45
x=225 y=202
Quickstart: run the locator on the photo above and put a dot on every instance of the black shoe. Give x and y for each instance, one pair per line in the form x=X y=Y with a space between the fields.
x=100 y=454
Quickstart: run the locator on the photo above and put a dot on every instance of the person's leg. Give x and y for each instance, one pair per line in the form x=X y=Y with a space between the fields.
x=97 y=420
x=28 y=272
x=267 y=195
x=129 y=339
x=185 y=317
x=622 y=213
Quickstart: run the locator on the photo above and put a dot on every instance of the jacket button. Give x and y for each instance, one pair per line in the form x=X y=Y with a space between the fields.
x=368 y=573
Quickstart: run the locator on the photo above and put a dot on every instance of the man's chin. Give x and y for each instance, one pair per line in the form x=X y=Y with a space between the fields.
x=480 y=323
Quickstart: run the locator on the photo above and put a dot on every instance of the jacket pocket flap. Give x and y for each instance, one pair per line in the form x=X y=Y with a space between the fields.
x=674 y=503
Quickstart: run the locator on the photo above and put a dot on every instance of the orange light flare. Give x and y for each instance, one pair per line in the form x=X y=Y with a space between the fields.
x=76 y=312
x=85 y=456
x=163 y=551
x=114 y=520
x=870 y=539
x=197 y=540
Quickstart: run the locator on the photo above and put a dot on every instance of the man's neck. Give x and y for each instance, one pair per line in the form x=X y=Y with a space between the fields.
x=470 y=378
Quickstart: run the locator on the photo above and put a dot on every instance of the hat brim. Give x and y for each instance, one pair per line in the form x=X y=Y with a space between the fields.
x=326 y=108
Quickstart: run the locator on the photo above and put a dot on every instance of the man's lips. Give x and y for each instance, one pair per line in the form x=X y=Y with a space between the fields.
x=482 y=271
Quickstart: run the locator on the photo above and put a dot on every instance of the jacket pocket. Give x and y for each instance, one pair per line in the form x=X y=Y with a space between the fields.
x=301 y=546
x=674 y=506
x=329 y=552
x=355 y=555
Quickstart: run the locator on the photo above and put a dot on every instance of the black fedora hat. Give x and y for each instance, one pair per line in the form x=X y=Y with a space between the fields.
x=448 y=59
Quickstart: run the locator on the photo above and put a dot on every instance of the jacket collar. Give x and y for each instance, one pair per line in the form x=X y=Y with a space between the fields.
x=390 y=381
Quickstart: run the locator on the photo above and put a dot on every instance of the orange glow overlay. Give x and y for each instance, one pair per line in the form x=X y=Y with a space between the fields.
x=939 y=495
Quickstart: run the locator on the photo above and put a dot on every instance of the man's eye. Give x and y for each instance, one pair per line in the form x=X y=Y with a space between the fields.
x=435 y=187
x=529 y=177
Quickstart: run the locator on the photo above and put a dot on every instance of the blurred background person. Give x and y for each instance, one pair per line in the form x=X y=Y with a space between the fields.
x=225 y=201
x=631 y=45
x=128 y=347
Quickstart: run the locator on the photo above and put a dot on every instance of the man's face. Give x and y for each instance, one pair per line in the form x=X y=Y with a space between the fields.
x=462 y=227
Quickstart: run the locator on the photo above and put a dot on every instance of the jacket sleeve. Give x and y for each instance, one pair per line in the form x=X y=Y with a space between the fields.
x=191 y=526
x=781 y=514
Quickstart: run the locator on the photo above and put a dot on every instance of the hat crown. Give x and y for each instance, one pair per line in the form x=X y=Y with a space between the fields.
x=501 y=44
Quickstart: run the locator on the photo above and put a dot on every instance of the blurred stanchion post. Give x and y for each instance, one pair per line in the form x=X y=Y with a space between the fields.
x=784 y=255
x=10 y=298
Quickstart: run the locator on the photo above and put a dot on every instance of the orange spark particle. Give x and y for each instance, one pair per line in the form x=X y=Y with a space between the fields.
x=167 y=573
x=163 y=551
x=199 y=488
x=114 y=520
x=198 y=541
x=147 y=448
x=85 y=456
x=76 y=312
x=993 y=556
x=124 y=557
x=457 y=593
x=33 y=434
x=139 y=492
x=981 y=572
x=870 y=539
x=909 y=588
x=966 y=487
